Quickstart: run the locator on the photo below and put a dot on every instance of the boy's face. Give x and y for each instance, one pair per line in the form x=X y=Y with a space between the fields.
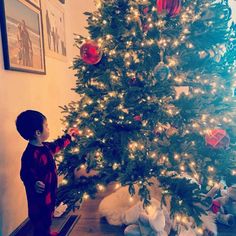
x=45 y=133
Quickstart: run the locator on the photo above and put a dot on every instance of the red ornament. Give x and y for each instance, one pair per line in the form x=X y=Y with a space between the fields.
x=215 y=206
x=132 y=81
x=218 y=138
x=138 y=118
x=145 y=28
x=145 y=10
x=172 y=7
x=90 y=52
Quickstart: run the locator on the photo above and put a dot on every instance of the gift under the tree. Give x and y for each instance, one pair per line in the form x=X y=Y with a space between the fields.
x=224 y=206
x=152 y=220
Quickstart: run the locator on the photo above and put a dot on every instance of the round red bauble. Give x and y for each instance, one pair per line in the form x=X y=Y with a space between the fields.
x=90 y=52
x=145 y=10
x=132 y=81
x=145 y=27
x=138 y=118
x=218 y=138
x=215 y=206
x=171 y=7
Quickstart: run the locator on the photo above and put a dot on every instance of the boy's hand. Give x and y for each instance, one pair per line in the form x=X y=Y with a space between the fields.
x=39 y=187
x=74 y=132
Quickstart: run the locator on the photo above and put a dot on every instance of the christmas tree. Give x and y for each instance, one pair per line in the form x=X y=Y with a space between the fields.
x=155 y=81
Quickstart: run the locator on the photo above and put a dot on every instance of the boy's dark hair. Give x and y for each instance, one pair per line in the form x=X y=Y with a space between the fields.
x=28 y=122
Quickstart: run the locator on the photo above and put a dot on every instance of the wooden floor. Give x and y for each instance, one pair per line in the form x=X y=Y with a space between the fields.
x=90 y=223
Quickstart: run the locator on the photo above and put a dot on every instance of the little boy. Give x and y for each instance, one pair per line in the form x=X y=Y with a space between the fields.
x=38 y=169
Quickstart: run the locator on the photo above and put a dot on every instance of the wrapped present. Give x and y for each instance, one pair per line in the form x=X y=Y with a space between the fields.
x=218 y=138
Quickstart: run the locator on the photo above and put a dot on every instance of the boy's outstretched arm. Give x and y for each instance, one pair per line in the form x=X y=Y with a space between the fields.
x=62 y=142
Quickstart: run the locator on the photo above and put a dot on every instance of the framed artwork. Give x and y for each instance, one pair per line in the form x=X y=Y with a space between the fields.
x=35 y=2
x=22 y=36
x=54 y=29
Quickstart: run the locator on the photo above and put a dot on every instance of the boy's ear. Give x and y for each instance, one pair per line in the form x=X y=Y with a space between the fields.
x=37 y=133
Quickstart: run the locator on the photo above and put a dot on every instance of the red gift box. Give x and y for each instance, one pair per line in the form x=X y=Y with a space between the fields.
x=217 y=138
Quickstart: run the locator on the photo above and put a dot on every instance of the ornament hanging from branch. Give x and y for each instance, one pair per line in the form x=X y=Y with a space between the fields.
x=170 y=7
x=167 y=128
x=138 y=118
x=90 y=52
x=161 y=70
x=218 y=138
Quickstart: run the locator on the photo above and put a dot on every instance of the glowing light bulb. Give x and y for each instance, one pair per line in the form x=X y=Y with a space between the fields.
x=85 y=196
x=204 y=117
x=115 y=166
x=83 y=167
x=182 y=168
x=64 y=182
x=131 y=199
x=98 y=3
x=153 y=155
x=127 y=63
x=178 y=218
x=176 y=43
x=163 y=172
x=60 y=158
x=196 y=176
x=176 y=157
x=192 y=163
x=210 y=169
x=127 y=55
x=100 y=187
x=150 y=25
x=184 y=219
x=200 y=231
x=75 y=150
x=136 y=13
x=225 y=120
x=186 y=31
x=190 y=45
x=160 y=23
x=108 y=36
x=118 y=185
x=210 y=182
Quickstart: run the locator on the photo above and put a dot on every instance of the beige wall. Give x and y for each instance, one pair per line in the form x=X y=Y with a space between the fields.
x=20 y=91
x=232 y=4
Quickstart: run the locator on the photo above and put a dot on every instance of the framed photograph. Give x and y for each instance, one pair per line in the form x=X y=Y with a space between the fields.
x=22 y=36
x=54 y=29
x=35 y=2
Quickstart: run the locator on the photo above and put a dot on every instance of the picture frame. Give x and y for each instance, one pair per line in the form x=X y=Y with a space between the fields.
x=35 y=3
x=22 y=36
x=54 y=29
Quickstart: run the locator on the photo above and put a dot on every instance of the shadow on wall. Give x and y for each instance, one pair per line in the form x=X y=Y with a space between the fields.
x=2 y=191
x=4 y=172
x=1 y=219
